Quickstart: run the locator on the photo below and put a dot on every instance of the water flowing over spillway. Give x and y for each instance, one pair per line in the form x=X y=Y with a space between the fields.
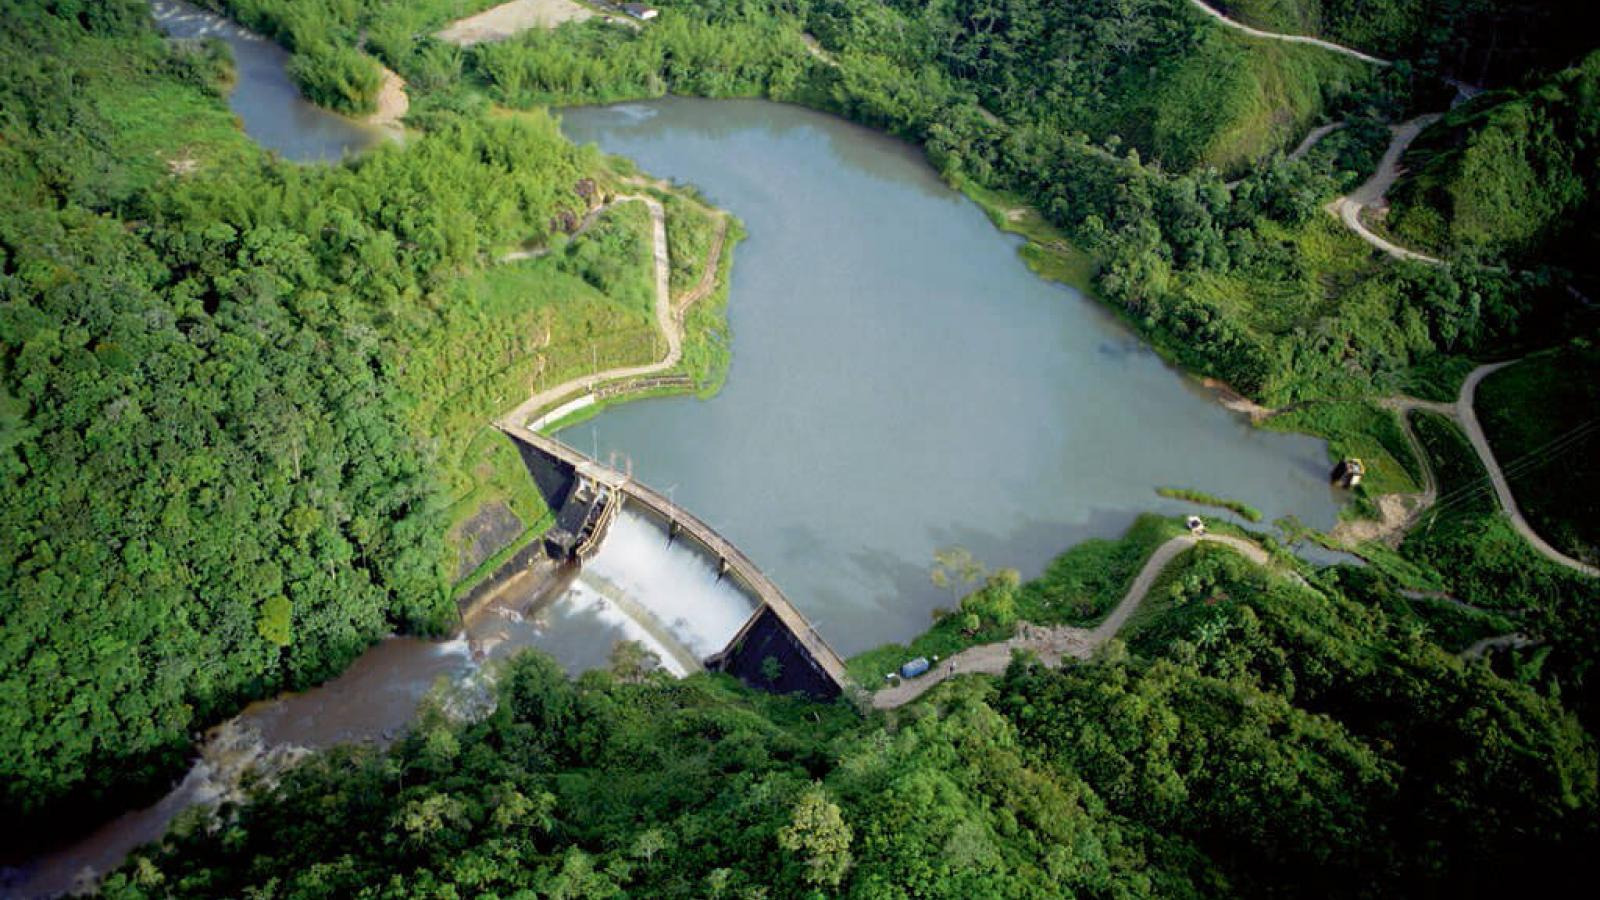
x=669 y=583
x=640 y=586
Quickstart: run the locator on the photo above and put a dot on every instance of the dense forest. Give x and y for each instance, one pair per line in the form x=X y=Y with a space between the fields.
x=211 y=390
x=1263 y=737
x=240 y=418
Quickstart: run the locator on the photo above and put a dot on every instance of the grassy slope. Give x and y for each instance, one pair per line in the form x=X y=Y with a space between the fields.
x=1474 y=548
x=1278 y=91
x=505 y=332
x=1505 y=175
x=1357 y=429
x=533 y=324
x=1529 y=412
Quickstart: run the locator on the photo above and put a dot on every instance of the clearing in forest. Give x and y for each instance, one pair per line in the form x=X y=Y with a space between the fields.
x=512 y=18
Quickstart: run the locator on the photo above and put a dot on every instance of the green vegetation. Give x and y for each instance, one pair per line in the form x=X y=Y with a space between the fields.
x=1244 y=510
x=1267 y=738
x=1510 y=175
x=1255 y=286
x=242 y=408
x=1464 y=537
x=340 y=78
x=1363 y=431
x=1540 y=417
x=1470 y=39
x=1078 y=588
x=242 y=403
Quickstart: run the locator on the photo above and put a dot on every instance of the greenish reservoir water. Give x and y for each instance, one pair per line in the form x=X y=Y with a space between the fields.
x=901 y=381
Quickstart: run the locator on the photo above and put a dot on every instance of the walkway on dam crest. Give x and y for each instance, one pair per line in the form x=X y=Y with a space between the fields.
x=1052 y=645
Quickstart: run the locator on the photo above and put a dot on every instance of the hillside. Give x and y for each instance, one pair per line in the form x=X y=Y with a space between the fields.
x=244 y=409
x=242 y=400
x=1483 y=42
x=1265 y=738
x=1509 y=176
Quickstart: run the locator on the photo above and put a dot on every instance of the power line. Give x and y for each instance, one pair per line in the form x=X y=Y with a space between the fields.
x=1523 y=464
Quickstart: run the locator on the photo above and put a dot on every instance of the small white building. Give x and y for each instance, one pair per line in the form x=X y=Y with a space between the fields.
x=640 y=11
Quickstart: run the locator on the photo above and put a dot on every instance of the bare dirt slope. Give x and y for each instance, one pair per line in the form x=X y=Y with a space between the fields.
x=512 y=18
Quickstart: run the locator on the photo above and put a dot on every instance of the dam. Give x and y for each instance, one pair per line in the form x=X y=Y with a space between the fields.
x=775 y=648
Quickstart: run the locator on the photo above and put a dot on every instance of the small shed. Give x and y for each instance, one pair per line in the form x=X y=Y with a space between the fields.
x=640 y=11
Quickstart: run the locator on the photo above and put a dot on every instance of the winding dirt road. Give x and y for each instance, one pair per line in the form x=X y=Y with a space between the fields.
x=668 y=317
x=1051 y=645
x=1371 y=193
x=1467 y=418
x=1463 y=413
x=1288 y=38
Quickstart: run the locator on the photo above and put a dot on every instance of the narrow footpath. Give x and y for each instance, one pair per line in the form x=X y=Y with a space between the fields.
x=1053 y=644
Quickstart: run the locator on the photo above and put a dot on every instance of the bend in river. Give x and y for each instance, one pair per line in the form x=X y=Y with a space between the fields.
x=264 y=97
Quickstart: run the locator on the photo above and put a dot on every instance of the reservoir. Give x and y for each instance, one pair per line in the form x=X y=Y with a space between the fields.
x=902 y=382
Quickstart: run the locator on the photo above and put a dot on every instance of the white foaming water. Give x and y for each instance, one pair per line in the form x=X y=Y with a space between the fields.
x=582 y=601
x=457 y=646
x=671 y=582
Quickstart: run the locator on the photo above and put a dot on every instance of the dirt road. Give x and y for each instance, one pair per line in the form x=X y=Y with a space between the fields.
x=1053 y=644
x=668 y=316
x=1371 y=193
x=1400 y=511
x=1289 y=38
x=1467 y=418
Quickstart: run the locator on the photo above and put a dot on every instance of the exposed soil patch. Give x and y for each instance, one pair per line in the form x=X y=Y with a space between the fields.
x=392 y=101
x=509 y=19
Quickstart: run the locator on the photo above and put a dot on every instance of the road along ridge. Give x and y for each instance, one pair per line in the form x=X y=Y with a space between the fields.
x=1055 y=643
